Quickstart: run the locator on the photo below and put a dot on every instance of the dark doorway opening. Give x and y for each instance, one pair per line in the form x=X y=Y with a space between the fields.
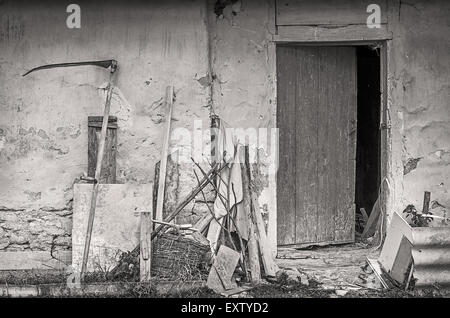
x=368 y=133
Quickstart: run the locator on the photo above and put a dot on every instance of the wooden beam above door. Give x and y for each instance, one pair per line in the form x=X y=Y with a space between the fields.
x=326 y=12
x=351 y=33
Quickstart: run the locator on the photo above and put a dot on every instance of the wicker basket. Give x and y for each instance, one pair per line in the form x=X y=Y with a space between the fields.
x=180 y=258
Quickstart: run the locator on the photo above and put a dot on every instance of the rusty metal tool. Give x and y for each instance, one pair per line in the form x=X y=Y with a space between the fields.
x=105 y=64
x=112 y=65
x=98 y=168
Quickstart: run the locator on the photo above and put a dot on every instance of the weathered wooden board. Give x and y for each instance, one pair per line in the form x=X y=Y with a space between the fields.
x=320 y=12
x=402 y=261
x=286 y=122
x=172 y=185
x=306 y=33
x=108 y=174
x=317 y=122
x=164 y=152
x=252 y=237
x=397 y=229
x=225 y=263
x=270 y=268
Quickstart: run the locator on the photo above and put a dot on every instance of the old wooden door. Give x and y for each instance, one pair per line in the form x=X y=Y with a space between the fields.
x=316 y=115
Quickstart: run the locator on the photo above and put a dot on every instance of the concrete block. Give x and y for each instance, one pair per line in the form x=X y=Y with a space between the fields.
x=116 y=224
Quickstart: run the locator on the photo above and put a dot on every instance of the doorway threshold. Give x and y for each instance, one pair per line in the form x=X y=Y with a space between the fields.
x=333 y=266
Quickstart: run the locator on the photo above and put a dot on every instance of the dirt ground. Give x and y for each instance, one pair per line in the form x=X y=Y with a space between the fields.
x=332 y=272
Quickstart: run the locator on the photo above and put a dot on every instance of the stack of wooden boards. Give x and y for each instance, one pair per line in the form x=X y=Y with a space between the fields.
x=250 y=258
x=253 y=255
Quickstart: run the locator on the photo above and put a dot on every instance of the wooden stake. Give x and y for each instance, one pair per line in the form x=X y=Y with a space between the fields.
x=164 y=151
x=426 y=202
x=98 y=168
x=253 y=256
x=146 y=246
x=270 y=268
x=253 y=253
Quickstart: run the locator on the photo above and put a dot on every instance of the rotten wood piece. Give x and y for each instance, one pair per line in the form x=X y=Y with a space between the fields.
x=426 y=202
x=170 y=201
x=270 y=268
x=146 y=247
x=164 y=152
x=252 y=245
x=253 y=256
x=221 y=272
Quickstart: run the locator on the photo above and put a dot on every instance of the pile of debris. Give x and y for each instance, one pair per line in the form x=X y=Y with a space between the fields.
x=228 y=245
x=416 y=252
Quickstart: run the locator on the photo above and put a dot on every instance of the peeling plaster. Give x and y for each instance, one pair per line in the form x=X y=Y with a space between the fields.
x=43 y=118
x=410 y=165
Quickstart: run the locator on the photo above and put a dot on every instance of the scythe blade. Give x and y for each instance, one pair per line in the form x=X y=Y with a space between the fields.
x=105 y=64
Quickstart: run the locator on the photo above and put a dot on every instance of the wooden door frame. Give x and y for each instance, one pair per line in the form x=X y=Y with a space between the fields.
x=384 y=118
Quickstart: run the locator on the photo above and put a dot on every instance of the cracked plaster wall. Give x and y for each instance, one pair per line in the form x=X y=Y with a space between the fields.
x=243 y=92
x=43 y=117
x=419 y=101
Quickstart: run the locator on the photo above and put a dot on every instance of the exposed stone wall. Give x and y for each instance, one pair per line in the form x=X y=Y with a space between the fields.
x=35 y=230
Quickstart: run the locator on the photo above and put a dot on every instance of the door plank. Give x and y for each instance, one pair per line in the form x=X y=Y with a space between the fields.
x=305 y=159
x=345 y=221
x=326 y=126
x=287 y=146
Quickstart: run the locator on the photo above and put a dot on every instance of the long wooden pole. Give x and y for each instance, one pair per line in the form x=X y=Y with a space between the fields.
x=98 y=170
x=164 y=151
x=252 y=245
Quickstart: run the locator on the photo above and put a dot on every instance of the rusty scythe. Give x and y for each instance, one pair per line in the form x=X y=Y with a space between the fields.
x=107 y=64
